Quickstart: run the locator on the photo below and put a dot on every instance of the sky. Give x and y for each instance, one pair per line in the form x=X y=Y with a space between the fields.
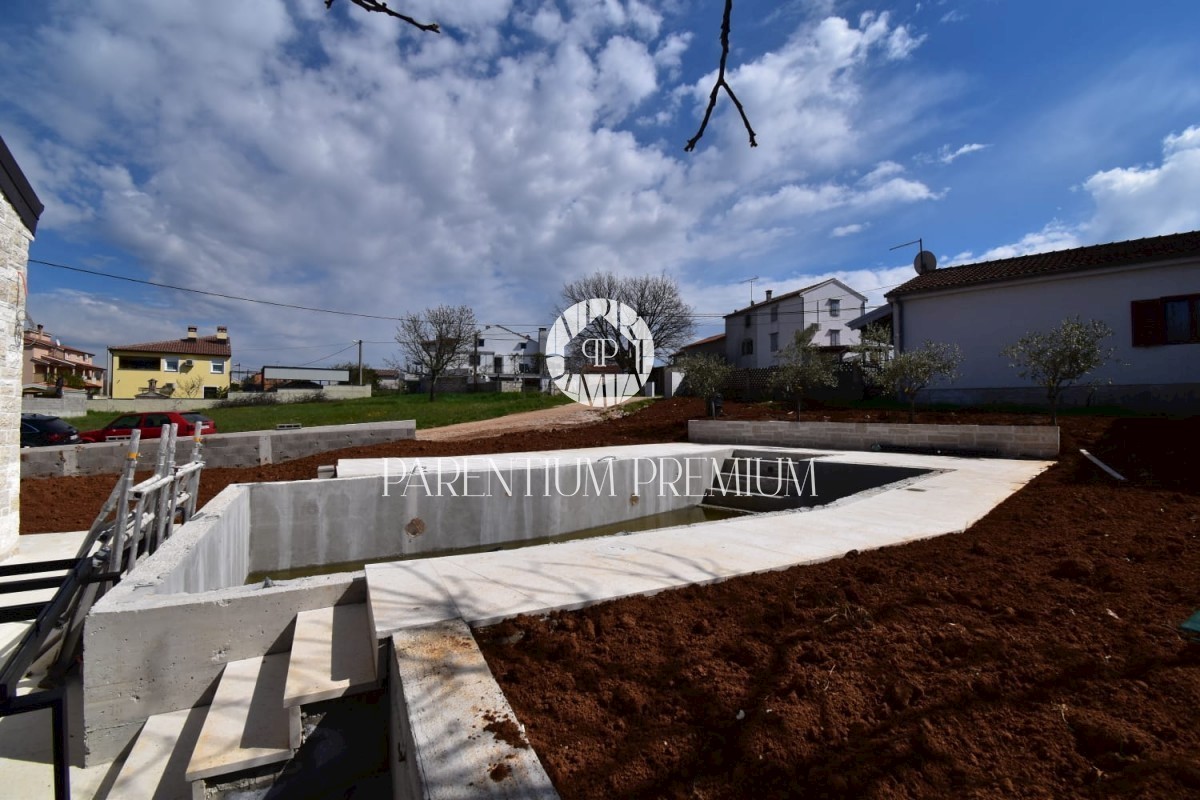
x=347 y=161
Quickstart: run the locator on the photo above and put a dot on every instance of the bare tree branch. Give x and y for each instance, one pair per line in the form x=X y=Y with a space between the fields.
x=382 y=8
x=722 y=83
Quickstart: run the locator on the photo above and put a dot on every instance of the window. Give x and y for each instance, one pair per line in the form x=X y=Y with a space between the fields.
x=835 y=338
x=747 y=320
x=774 y=315
x=480 y=343
x=171 y=364
x=835 y=308
x=498 y=364
x=774 y=342
x=747 y=347
x=1166 y=320
x=132 y=362
x=217 y=367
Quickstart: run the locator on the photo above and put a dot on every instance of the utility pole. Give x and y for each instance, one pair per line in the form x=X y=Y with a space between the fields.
x=360 y=341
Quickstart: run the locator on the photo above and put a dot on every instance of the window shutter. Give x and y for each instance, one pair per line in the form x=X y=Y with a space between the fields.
x=1149 y=323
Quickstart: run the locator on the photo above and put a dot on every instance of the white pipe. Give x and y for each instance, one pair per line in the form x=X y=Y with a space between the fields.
x=1102 y=465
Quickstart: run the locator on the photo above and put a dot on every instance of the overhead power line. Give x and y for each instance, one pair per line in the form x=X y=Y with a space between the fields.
x=214 y=294
x=696 y=315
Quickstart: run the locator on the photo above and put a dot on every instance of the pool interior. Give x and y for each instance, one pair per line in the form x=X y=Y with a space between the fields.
x=748 y=482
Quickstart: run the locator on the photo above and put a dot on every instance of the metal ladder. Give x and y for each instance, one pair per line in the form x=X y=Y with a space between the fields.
x=134 y=521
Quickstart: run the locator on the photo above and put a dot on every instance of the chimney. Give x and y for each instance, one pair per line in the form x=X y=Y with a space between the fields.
x=222 y=333
x=769 y=292
x=191 y=331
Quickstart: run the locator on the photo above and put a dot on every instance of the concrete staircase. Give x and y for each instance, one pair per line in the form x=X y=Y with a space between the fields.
x=254 y=718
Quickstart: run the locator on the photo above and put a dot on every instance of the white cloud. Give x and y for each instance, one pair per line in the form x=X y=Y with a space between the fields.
x=947 y=156
x=1132 y=202
x=348 y=161
x=849 y=230
x=1054 y=236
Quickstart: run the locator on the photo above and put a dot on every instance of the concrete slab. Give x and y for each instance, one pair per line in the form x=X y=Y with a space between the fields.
x=155 y=767
x=461 y=738
x=406 y=594
x=247 y=724
x=333 y=655
x=487 y=587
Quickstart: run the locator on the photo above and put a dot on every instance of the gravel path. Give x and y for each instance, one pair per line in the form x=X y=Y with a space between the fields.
x=558 y=416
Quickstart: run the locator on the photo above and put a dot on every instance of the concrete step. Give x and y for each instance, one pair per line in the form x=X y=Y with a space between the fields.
x=155 y=767
x=247 y=724
x=333 y=655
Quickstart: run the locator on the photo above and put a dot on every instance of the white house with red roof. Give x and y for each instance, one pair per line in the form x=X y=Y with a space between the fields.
x=754 y=335
x=1146 y=290
x=192 y=366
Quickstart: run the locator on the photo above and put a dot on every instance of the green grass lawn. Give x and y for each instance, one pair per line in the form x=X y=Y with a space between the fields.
x=447 y=409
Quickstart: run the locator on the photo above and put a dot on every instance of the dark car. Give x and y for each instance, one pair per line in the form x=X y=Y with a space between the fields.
x=150 y=423
x=41 y=430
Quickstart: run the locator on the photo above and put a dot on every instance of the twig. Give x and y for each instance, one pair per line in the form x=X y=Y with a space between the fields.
x=721 y=82
x=382 y=8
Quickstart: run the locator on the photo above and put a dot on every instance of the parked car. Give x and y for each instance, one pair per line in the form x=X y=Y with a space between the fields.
x=40 y=430
x=150 y=423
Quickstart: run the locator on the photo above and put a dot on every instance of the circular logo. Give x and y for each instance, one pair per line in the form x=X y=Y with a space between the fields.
x=600 y=353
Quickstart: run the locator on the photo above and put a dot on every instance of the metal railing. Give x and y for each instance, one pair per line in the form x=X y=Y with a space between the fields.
x=132 y=524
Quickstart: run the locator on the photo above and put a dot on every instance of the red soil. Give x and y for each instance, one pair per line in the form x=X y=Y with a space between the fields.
x=1035 y=655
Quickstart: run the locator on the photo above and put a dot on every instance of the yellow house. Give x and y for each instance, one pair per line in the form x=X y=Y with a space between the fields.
x=194 y=366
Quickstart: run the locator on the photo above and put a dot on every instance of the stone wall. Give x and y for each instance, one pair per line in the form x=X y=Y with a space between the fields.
x=1006 y=441
x=249 y=449
x=15 y=239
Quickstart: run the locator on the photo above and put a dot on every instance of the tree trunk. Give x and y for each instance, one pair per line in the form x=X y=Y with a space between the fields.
x=432 y=385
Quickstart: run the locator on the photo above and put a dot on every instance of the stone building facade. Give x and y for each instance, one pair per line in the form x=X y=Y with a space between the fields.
x=19 y=212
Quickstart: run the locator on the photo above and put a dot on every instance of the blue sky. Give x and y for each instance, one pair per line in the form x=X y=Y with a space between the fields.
x=348 y=161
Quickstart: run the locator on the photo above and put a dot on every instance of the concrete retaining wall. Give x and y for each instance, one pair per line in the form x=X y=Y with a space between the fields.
x=69 y=405
x=249 y=449
x=122 y=406
x=1008 y=441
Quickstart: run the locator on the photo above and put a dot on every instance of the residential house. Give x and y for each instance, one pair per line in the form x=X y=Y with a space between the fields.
x=47 y=360
x=711 y=344
x=500 y=353
x=1146 y=290
x=194 y=366
x=754 y=335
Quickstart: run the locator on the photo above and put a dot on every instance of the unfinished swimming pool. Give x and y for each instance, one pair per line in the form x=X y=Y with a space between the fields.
x=139 y=664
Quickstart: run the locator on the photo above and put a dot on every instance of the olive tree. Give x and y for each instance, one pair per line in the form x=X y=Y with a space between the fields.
x=802 y=365
x=706 y=374
x=905 y=374
x=436 y=340
x=1056 y=359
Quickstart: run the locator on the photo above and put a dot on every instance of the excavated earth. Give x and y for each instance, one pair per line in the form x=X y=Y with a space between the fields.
x=1037 y=655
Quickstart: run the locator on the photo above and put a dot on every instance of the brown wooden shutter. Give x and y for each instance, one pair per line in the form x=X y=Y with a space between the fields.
x=1149 y=322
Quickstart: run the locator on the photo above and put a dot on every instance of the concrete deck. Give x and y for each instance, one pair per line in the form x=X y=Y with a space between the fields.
x=484 y=588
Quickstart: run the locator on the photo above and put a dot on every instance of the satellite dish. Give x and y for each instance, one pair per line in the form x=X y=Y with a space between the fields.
x=924 y=262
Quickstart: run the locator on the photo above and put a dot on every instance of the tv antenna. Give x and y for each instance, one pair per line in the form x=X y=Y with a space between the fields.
x=751 y=282
x=925 y=260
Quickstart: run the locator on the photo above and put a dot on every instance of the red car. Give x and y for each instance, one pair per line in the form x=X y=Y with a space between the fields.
x=150 y=424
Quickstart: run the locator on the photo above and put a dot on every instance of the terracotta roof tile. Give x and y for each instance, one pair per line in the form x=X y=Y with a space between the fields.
x=200 y=346
x=1115 y=254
